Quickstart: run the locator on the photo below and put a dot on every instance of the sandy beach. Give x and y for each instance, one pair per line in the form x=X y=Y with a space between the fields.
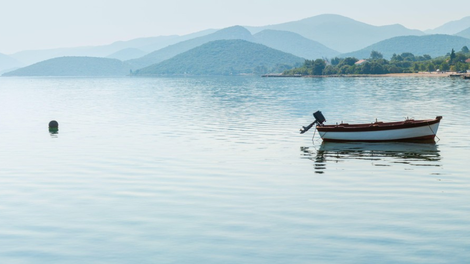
x=419 y=74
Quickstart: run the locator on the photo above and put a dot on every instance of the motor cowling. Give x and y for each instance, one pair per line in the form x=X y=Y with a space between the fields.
x=319 y=119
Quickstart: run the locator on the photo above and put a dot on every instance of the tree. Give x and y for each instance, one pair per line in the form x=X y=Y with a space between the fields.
x=376 y=68
x=460 y=57
x=318 y=67
x=459 y=66
x=345 y=69
x=444 y=66
x=422 y=67
x=408 y=56
x=308 y=63
x=348 y=61
x=329 y=70
x=394 y=69
x=465 y=50
x=335 y=61
x=396 y=57
x=375 y=55
x=365 y=68
x=431 y=67
x=452 y=57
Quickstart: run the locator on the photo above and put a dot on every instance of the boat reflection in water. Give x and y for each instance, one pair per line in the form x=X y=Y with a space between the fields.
x=381 y=154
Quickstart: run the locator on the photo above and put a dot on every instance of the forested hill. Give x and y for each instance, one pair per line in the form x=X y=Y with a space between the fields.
x=235 y=32
x=433 y=45
x=74 y=66
x=224 y=57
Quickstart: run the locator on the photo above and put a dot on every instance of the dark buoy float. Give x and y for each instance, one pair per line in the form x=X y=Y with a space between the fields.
x=53 y=126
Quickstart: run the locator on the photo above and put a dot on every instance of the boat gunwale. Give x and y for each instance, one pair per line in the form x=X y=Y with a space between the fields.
x=378 y=126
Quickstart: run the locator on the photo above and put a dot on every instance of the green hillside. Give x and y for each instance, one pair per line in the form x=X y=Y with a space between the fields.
x=293 y=43
x=433 y=45
x=223 y=57
x=235 y=32
x=74 y=66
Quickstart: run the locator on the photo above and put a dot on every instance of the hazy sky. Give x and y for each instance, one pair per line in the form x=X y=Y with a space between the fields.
x=41 y=24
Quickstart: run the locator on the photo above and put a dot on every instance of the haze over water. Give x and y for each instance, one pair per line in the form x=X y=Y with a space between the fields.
x=214 y=170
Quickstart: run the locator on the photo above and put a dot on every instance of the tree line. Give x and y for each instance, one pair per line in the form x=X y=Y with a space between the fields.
x=376 y=64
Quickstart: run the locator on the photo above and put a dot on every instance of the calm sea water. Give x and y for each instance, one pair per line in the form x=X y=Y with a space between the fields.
x=214 y=170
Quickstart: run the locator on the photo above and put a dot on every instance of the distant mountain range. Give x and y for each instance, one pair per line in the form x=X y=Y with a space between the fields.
x=340 y=33
x=74 y=66
x=322 y=36
x=281 y=40
x=146 y=45
x=127 y=54
x=433 y=45
x=464 y=33
x=293 y=43
x=334 y=31
x=235 y=32
x=8 y=63
x=452 y=27
x=223 y=57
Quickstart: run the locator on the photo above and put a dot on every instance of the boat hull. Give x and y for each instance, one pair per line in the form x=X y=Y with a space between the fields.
x=425 y=130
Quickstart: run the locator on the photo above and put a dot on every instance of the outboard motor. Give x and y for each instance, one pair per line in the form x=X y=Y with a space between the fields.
x=319 y=119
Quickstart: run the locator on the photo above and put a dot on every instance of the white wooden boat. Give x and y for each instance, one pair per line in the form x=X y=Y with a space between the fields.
x=407 y=130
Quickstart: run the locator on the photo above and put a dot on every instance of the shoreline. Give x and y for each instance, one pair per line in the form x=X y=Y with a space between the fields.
x=418 y=74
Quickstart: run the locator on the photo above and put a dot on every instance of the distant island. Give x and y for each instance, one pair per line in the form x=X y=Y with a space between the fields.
x=74 y=66
x=284 y=41
x=399 y=63
x=225 y=57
